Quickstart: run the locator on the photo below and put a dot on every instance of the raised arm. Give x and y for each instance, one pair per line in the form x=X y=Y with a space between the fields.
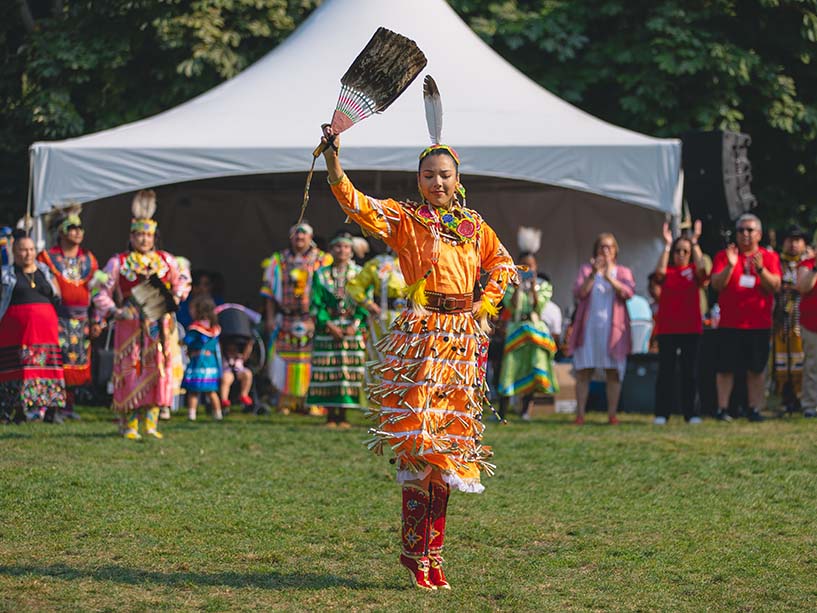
x=663 y=259
x=382 y=218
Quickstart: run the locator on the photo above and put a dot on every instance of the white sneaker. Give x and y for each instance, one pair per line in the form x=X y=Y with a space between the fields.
x=659 y=421
x=695 y=420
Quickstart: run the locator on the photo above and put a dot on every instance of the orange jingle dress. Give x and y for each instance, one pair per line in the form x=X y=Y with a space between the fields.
x=429 y=389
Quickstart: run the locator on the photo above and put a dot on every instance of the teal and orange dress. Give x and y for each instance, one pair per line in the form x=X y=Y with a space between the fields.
x=429 y=388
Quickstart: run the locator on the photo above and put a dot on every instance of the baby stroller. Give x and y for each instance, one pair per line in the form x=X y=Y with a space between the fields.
x=243 y=351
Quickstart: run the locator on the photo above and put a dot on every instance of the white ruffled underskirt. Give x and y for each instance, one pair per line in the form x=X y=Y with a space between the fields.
x=470 y=486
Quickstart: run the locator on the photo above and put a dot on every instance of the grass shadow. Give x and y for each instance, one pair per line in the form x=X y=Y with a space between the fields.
x=133 y=576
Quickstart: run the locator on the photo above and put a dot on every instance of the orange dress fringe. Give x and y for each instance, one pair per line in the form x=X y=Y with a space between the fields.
x=429 y=388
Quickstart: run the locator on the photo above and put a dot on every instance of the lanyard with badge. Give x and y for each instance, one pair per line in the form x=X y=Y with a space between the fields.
x=747 y=279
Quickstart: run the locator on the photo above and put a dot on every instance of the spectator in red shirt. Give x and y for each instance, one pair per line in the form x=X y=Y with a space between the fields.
x=678 y=322
x=807 y=276
x=746 y=277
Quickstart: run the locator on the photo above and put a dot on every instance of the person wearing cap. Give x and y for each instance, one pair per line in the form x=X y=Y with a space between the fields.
x=339 y=349
x=430 y=386
x=746 y=277
x=143 y=377
x=287 y=291
x=788 y=342
x=73 y=268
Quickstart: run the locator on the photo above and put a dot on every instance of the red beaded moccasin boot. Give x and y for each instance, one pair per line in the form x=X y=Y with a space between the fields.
x=436 y=533
x=415 y=535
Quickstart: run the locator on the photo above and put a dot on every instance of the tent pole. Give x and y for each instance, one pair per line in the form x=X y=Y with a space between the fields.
x=29 y=200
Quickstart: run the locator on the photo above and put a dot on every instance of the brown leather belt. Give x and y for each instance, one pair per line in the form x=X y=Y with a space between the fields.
x=449 y=303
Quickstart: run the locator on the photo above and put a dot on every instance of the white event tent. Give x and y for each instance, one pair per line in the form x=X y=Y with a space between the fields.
x=229 y=165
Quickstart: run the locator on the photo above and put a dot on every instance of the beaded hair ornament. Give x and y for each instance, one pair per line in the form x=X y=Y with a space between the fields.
x=143 y=208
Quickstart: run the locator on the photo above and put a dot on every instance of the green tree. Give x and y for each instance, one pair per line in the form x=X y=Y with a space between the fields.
x=72 y=67
x=670 y=66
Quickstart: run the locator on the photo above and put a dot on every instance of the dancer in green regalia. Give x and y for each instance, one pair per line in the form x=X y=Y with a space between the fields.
x=527 y=359
x=339 y=350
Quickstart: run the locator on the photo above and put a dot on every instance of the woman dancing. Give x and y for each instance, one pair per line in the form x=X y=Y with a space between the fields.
x=429 y=388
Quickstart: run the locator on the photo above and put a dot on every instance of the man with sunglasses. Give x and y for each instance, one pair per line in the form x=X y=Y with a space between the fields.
x=746 y=277
x=73 y=268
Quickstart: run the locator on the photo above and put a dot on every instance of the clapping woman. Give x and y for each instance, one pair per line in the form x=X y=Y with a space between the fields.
x=680 y=273
x=601 y=335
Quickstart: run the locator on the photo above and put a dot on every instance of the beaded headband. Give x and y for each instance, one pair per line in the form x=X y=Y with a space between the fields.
x=71 y=220
x=143 y=225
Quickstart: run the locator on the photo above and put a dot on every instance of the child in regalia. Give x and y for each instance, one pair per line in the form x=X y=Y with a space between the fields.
x=203 y=372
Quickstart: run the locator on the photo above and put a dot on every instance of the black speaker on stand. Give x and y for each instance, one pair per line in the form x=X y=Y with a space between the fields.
x=717 y=190
x=717 y=183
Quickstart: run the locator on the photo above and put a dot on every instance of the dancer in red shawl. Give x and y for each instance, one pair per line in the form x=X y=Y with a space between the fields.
x=143 y=361
x=430 y=387
x=73 y=268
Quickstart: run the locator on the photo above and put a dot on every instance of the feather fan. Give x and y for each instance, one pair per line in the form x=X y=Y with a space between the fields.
x=144 y=204
x=379 y=74
x=152 y=299
x=434 y=110
x=529 y=240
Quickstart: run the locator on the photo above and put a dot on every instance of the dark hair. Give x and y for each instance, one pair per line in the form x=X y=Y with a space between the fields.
x=203 y=307
x=678 y=240
x=527 y=254
x=440 y=151
x=19 y=233
x=197 y=275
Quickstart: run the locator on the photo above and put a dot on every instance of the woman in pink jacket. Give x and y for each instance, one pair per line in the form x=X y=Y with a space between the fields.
x=601 y=333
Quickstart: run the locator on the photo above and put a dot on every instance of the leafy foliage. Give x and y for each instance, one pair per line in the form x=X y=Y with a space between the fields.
x=662 y=67
x=672 y=66
x=88 y=65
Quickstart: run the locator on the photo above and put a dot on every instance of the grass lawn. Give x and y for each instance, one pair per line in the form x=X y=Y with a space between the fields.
x=277 y=513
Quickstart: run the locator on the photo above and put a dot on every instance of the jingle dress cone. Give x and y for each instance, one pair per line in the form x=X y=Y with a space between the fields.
x=429 y=388
x=337 y=364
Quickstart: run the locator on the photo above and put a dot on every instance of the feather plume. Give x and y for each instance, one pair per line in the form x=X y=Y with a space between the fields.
x=144 y=204
x=529 y=240
x=55 y=217
x=434 y=110
x=360 y=246
x=380 y=73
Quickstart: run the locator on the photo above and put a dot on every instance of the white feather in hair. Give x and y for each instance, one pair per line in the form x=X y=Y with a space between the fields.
x=360 y=246
x=434 y=110
x=529 y=240
x=144 y=204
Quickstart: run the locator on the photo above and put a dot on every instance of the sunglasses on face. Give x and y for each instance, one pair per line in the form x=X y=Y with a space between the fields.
x=681 y=250
x=80 y=228
x=745 y=230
